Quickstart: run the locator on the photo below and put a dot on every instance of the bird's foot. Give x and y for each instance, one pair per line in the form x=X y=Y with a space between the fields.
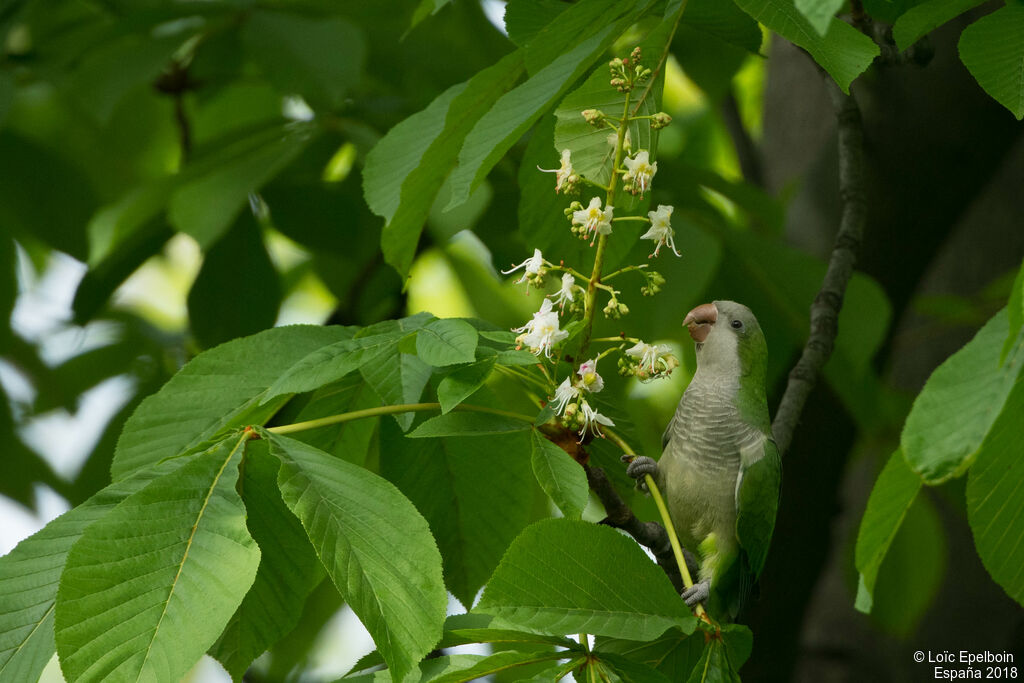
x=696 y=594
x=639 y=468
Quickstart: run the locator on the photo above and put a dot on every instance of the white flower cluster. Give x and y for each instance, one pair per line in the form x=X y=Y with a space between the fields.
x=570 y=402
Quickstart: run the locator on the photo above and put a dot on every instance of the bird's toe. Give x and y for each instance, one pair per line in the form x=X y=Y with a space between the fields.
x=696 y=594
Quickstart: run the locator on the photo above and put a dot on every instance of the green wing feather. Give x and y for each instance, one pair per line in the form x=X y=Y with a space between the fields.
x=757 y=500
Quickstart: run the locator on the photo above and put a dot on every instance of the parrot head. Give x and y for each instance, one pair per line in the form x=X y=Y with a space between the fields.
x=728 y=339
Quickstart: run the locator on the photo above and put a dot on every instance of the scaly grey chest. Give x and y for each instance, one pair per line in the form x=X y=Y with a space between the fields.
x=701 y=460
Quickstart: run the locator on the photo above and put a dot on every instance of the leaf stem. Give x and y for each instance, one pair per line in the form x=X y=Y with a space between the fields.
x=389 y=410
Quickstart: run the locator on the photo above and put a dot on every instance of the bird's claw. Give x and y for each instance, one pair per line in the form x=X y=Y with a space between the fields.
x=639 y=468
x=696 y=594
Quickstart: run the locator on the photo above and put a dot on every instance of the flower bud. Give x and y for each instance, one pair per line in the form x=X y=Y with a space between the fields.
x=594 y=117
x=660 y=120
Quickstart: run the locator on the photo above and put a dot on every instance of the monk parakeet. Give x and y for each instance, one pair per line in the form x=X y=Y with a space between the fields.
x=720 y=470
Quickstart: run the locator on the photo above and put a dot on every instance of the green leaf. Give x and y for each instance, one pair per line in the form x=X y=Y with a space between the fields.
x=913 y=570
x=843 y=51
x=514 y=113
x=236 y=292
x=463 y=382
x=725 y=21
x=219 y=390
x=714 y=665
x=331 y=362
x=891 y=497
x=475 y=500
x=428 y=670
x=424 y=9
x=561 y=576
x=995 y=498
x=288 y=572
x=470 y=627
x=923 y=18
x=220 y=183
x=673 y=653
x=500 y=661
x=959 y=403
x=413 y=160
x=44 y=195
x=138 y=597
x=376 y=546
x=319 y=58
x=1014 y=315
x=447 y=342
x=349 y=440
x=559 y=475
x=30 y=574
x=110 y=71
x=524 y=19
x=993 y=52
x=819 y=13
x=465 y=423
x=397 y=378
x=577 y=24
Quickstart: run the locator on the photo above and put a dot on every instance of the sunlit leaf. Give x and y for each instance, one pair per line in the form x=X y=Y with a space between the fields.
x=922 y=18
x=563 y=577
x=959 y=403
x=218 y=390
x=138 y=597
x=357 y=521
x=843 y=51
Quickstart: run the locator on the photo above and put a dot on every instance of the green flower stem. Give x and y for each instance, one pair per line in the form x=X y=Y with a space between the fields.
x=602 y=240
x=609 y=350
x=673 y=539
x=572 y=271
x=643 y=219
x=627 y=269
x=389 y=410
x=615 y=340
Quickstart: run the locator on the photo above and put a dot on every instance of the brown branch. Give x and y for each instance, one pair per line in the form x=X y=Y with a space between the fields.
x=829 y=300
x=651 y=535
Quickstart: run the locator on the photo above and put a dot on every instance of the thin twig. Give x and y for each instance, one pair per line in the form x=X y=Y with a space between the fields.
x=829 y=300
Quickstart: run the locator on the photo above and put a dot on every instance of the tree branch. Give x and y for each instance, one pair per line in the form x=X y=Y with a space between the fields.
x=829 y=300
x=651 y=535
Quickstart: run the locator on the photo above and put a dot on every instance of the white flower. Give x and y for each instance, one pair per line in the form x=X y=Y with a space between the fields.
x=564 y=174
x=532 y=265
x=564 y=394
x=541 y=333
x=650 y=354
x=640 y=171
x=661 y=232
x=589 y=379
x=565 y=293
x=593 y=219
x=591 y=420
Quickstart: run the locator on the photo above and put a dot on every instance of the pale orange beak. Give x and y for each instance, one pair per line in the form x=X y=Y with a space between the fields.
x=700 y=320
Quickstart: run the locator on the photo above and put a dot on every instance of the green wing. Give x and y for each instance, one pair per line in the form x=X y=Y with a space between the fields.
x=757 y=500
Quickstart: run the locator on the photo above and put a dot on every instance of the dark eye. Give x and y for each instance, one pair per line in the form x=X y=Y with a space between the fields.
x=737 y=324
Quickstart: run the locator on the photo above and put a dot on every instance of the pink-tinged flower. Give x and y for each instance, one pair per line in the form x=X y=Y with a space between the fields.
x=661 y=231
x=532 y=266
x=639 y=172
x=593 y=218
x=589 y=379
x=542 y=332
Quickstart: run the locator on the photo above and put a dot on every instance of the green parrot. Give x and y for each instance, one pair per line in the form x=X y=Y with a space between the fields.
x=720 y=470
